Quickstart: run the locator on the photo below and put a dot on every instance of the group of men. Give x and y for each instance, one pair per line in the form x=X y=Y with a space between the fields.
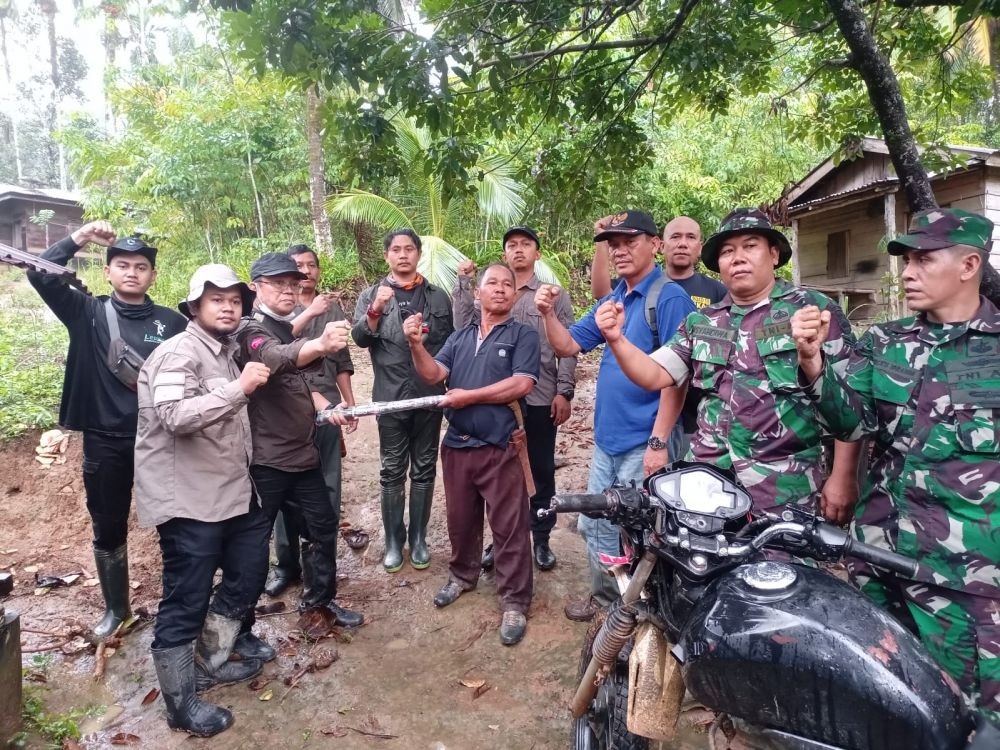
x=754 y=375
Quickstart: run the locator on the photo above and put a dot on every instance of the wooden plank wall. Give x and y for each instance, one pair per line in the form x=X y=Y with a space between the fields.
x=866 y=226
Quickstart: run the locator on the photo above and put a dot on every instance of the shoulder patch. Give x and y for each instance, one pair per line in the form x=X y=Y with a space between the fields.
x=257 y=342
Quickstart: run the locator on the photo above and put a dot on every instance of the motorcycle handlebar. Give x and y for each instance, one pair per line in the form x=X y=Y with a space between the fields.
x=882 y=558
x=580 y=504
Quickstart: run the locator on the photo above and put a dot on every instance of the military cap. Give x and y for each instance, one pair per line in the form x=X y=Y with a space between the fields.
x=275 y=264
x=744 y=221
x=528 y=232
x=944 y=227
x=134 y=244
x=630 y=223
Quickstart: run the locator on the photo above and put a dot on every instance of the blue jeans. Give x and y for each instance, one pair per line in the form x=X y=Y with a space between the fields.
x=600 y=534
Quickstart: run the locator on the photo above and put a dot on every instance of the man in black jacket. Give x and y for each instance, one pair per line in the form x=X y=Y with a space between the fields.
x=95 y=401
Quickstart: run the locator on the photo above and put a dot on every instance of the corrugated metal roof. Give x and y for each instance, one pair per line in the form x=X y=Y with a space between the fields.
x=16 y=191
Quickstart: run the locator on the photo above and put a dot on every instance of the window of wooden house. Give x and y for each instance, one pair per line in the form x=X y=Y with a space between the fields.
x=836 y=254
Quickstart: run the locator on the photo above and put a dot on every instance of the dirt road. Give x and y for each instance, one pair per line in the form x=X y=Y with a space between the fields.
x=399 y=676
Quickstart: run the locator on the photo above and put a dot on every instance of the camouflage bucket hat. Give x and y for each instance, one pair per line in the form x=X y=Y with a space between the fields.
x=944 y=227
x=744 y=221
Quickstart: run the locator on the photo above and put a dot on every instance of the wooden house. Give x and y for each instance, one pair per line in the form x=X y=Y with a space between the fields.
x=18 y=205
x=843 y=214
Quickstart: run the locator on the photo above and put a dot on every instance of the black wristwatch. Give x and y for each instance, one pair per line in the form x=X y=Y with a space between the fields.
x=568 y=395
x=656 y=444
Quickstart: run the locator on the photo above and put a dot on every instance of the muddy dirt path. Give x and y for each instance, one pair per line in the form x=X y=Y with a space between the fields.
x=400 y=675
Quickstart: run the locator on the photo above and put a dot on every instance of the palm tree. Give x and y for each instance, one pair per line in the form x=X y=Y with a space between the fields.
x=419 y=201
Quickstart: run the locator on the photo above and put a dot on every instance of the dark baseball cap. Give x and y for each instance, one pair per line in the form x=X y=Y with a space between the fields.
x=275 y=264
x=526 y=231
x=629 y=222
x=944 y=227
x=134 y=244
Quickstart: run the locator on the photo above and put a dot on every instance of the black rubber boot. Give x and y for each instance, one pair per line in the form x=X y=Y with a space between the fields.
x=212 y=665
x=185 y=710
x=112 y=572
x=421 y=495
x=393 y=501
x=319 y=574
x=249 y=646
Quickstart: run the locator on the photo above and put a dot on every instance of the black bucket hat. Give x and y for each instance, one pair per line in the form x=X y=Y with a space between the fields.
x=744 y=221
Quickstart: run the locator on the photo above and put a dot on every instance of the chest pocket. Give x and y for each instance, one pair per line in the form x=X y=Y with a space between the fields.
x=709 y=359
x=781 y=362
x=892 y=389
x=974 y=387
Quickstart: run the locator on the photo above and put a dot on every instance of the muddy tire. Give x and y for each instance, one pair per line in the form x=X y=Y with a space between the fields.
x=603 y=727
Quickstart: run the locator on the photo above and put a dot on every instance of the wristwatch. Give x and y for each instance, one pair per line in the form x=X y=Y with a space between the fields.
x=568 y=395
x=656 y=444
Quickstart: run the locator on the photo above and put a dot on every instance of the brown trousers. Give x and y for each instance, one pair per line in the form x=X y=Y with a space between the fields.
x=489 y=478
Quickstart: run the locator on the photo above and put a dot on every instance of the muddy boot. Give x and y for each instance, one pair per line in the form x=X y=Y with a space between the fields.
x=112 y=572
x=421 y=495
x=185 y=710
x=393 y=501
x=212 y=665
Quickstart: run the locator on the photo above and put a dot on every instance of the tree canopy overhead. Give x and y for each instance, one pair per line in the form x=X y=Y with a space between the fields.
x=508 y=68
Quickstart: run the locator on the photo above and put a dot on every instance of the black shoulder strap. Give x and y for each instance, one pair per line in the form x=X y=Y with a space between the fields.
x=652 y=297
x=112 y=316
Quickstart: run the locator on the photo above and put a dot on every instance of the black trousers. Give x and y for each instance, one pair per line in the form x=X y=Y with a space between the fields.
x=409 y=439
x=541 y=434
x=286 y=528
x=108 y=468
x=192 y=552
x=302 y=496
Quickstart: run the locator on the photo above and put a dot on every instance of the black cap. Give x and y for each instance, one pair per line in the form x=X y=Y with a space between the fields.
x=526 y=231
x=275 y=264
x=630 y=222
x=133 y=244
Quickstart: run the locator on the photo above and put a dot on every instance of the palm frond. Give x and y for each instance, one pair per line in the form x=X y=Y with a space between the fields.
x=439 y=262
x=547 y=273
x=498 y=193
x=368 y=208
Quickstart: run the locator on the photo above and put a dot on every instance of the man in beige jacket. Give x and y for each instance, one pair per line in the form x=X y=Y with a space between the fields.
x=192 y=457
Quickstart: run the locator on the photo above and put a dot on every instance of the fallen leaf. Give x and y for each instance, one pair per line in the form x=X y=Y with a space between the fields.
x=334 y=732
x=31 y=569
x=134 y=585
x=480 y=690
x=474 y=684
x=494 y=727
x=266 y=695
x=150 y=697
x=91 y=582
x=259 y=684
x=324 y=659
x=123 y=738
x=41 y=592
x=345 y=709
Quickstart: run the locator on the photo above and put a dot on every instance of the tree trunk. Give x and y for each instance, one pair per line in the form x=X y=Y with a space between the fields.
x=11 y=106
x=48 y=9
x=317 y=174
x=887 y=101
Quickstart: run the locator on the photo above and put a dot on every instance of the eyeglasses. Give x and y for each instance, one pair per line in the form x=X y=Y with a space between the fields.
x=290 y=285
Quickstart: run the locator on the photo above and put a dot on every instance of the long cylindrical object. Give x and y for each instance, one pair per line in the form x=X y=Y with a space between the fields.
x=380 y=407
x=522 y=449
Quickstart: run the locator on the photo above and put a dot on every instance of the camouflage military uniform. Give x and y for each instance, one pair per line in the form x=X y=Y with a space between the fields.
x=929 y=395
x=754 y=416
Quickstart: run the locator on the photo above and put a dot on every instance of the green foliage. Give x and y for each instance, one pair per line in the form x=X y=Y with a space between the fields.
x=54 y=729
x=31 y=369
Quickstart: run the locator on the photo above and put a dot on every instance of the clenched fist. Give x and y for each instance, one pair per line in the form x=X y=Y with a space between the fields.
x=610 y=319
x=810 y=327
x=99 y=232
x=601 y=224
x=545 y=298
x=382 y=297
x=413 y=327
x=334 y=336
x=320 y=305
x=254 y=375
x=467 y=269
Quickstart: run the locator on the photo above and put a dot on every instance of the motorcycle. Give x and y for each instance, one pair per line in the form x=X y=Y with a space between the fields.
x=718 y=608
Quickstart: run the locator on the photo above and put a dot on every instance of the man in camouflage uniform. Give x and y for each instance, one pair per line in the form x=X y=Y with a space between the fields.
x=927 y=390
x=754 y=418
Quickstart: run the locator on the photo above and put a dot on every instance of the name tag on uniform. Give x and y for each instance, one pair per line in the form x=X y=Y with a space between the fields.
x=712 y=334
x=773 y=330
x=975 y=382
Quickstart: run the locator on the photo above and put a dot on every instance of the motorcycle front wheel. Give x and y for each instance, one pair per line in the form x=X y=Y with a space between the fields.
x=603 y=727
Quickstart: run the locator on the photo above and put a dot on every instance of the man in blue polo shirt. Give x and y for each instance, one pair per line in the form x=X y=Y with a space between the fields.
x=630 y=423
x=488 y=365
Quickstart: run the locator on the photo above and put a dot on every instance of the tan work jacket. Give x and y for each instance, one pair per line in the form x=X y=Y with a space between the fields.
x=192 y=448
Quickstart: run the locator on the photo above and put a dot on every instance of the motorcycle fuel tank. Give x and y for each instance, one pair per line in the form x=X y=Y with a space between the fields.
x=797 y=650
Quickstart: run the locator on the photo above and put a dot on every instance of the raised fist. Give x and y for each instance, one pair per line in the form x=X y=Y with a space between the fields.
x=610 y=319
x=382 y=297
x=334 y=337
x=99 y=232
x=467 y=269
x=320 y=305
x=810 y=328
x=413 y=327
x=601 y=224
x=254 y=375
x=545 y=298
